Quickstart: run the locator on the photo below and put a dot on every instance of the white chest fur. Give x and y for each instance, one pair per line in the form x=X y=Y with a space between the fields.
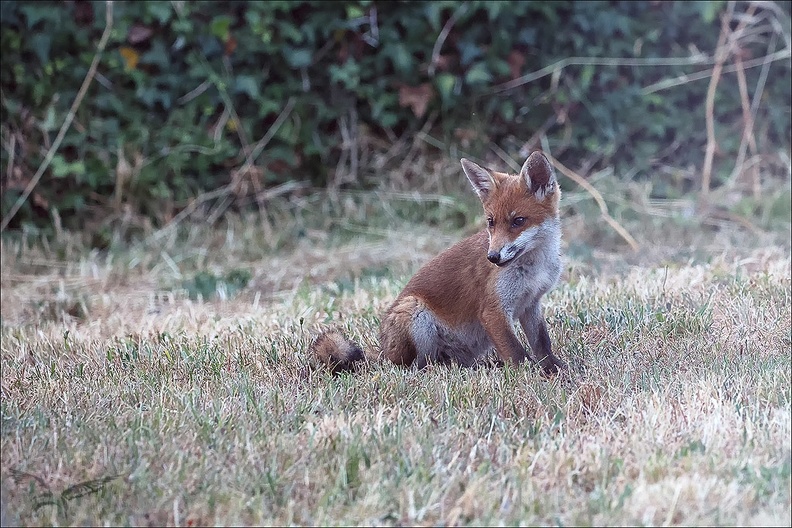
x=522 y=283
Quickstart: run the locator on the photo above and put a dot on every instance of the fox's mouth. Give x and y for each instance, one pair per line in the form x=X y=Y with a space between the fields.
x=504 y=263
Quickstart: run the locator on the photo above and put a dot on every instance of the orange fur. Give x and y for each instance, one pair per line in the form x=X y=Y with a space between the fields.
x=465 y=300
x=335 y=351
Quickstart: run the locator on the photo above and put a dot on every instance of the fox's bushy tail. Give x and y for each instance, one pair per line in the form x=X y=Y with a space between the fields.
x=334 y=350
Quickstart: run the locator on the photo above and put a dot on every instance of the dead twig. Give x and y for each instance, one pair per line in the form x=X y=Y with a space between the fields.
x=782 y=54
x=750 y=117
x=600 y=61
x=11 y=152
x=438 y=45
x=572 y=175
x=419 y=136
x=505 y=157
x=748 y=136
x=709 y=106
x=722 y=52
x=350 y=147
x=264 y=141
x=69 y=117
x=230 y=187
x=195 y=92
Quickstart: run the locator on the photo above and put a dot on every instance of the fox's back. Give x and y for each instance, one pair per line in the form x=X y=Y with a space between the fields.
x=452 y=284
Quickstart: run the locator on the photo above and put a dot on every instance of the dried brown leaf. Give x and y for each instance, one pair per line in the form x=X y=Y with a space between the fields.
x=416 y=97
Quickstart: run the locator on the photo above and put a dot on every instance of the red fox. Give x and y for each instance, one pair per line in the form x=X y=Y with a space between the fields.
x=466 y=300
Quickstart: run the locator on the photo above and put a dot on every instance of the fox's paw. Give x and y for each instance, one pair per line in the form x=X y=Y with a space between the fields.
x=552 y=366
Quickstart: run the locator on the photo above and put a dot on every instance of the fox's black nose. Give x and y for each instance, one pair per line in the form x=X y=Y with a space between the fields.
x=493 y=257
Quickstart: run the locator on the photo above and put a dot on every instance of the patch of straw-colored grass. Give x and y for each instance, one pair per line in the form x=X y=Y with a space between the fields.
x=171 y=409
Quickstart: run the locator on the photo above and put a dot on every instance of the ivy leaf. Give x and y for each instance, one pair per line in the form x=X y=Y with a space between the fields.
x=157 y=55
x=478 y=74
x=445 y=85
x=162 y=11
x=49 y=123
x=297 y=57
x=8 y=14
x=347 y=75
x=494 y=8
x=402 y=59
x=209 y=47
x=35 y=13
x=710 y=9
x=291 y=33
x=268 y=106
x=248 y=85
x=62 y=168
x=353 y=11
x=527 y=36
x=468 y=52
x=41 y=43
x=432 y=10
x=221 y=27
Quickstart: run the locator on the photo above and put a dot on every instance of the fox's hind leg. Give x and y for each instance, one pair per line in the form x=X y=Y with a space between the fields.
x=412 y=333
x=395 y=331
x=427 y=335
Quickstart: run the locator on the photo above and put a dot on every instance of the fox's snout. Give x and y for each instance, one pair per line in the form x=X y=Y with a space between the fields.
x=502 y=256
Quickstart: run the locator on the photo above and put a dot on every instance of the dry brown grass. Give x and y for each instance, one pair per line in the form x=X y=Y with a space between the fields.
x=676 y=408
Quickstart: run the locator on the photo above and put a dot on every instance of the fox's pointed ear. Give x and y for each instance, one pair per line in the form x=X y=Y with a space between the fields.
x=480 y=178
x=539 y=175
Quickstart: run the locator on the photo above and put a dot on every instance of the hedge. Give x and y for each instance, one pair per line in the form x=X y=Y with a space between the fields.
x=185 y=90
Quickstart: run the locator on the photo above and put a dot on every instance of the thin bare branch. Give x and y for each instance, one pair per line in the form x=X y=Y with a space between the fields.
x=752 y=118
x=572 y=175
x=228 y=188
x=69 y=117
x=722 y=52
x=505 y=157
x=709 y=107
x=438 y=45
x=703 y=74
x=601 y=61
x=748 y=136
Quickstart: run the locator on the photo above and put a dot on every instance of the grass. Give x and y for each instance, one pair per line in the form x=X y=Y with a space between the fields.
x=170 y=379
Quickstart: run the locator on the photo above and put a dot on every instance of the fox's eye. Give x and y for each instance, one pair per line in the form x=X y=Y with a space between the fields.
x=490 y=222
x=519 y=221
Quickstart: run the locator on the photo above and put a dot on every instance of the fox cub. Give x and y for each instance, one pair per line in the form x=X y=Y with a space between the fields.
x=465 y=301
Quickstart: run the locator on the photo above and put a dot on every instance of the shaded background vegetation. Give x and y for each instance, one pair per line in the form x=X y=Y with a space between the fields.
x=279 y=97
x=242 y=168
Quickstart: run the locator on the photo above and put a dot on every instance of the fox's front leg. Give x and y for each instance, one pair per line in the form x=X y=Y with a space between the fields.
x=536 y=330
x=500 y=331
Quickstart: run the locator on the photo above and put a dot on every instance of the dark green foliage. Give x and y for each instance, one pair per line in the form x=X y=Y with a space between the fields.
x=205 y=284
x=159 y=124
